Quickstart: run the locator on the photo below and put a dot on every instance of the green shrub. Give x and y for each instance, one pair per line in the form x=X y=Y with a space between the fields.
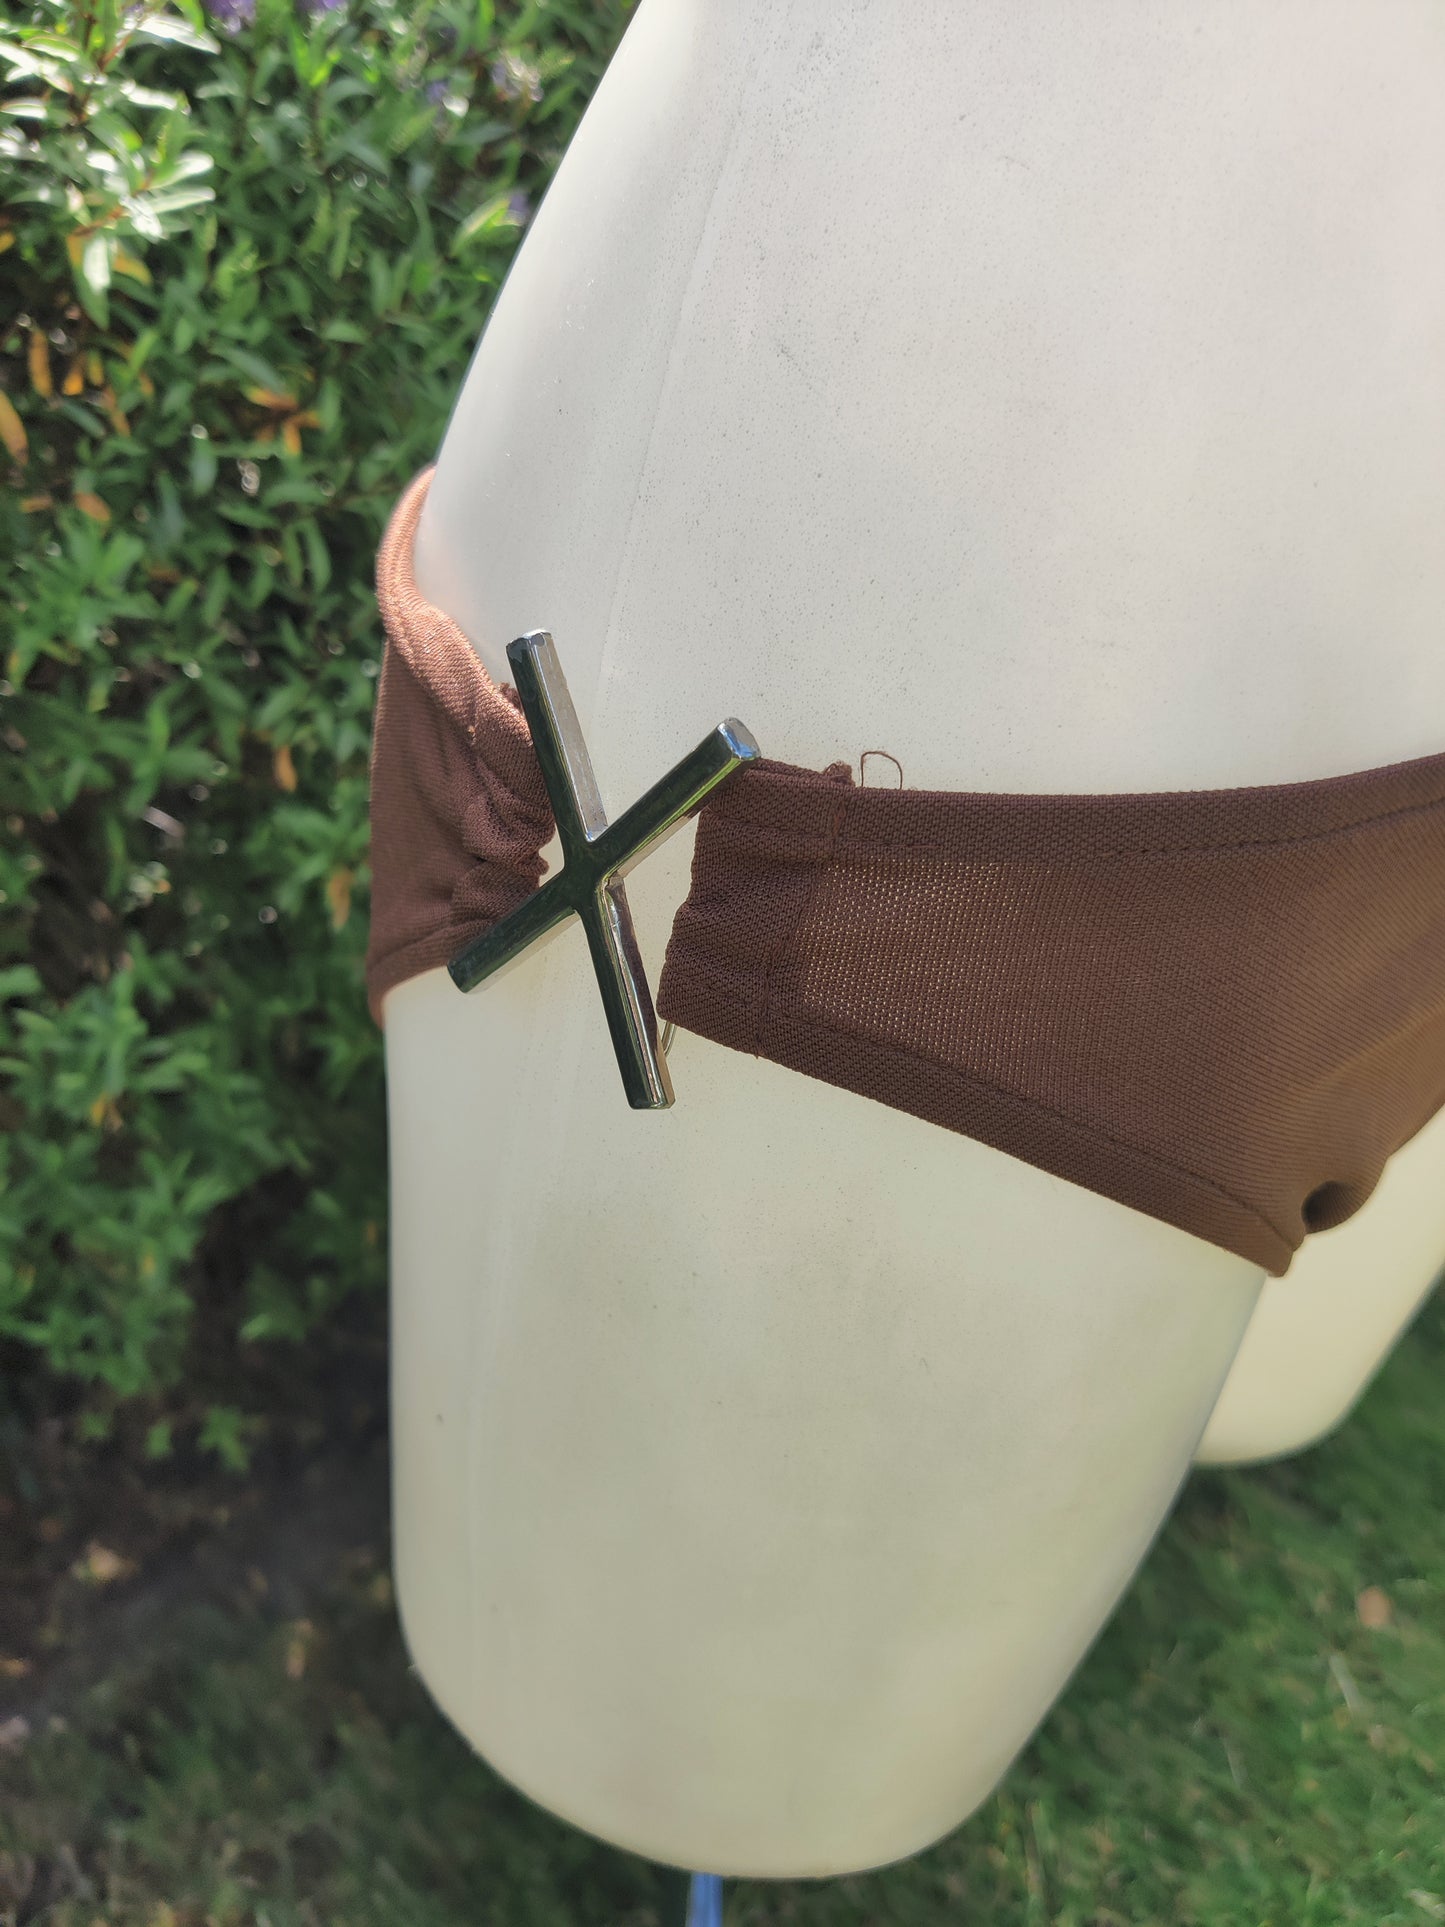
x=243 y=264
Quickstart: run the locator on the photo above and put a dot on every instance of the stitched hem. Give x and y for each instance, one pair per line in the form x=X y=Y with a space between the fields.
x=861 y=842
x=1050 y=1140
x=983 y=815
x=434 y=947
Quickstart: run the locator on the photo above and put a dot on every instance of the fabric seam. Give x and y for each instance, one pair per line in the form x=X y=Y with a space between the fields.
x=860 y=841
x=1079 y=1125
x=767 y=994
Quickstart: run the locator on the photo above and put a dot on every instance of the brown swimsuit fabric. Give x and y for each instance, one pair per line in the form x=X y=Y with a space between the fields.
x=1224 y=1008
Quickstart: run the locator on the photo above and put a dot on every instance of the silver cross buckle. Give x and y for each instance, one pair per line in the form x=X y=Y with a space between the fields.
x=596 y=855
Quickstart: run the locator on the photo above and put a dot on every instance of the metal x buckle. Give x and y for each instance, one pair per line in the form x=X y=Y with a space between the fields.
x=596 y=855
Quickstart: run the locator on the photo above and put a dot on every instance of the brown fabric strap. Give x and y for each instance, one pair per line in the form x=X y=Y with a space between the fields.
x=459 y=812
x=1223 y=1008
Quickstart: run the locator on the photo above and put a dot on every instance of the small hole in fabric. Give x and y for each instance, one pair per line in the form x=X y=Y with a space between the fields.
x=1330 y=1204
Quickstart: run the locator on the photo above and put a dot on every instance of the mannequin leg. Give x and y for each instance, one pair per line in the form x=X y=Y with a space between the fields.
x=747 y=1520
x=1319 y=1334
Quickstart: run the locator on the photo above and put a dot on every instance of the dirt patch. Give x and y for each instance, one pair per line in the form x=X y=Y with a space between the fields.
x=104 y=1544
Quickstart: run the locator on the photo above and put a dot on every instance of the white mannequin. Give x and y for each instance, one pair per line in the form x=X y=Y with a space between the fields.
x=1320 y=1333
x=1049 y=395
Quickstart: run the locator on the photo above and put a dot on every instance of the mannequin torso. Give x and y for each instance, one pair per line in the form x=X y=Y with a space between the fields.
x=1052 y=398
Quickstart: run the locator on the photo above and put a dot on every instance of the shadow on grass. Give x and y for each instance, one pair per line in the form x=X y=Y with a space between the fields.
x=1239 y=1747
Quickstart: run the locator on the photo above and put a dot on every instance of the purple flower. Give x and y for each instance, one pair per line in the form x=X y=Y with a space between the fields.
x=231 y=15
x=448 y=107
x=519 y=207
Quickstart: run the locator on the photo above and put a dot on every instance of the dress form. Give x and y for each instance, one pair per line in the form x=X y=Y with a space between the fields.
x=1050 y=397
x=1320 y=1333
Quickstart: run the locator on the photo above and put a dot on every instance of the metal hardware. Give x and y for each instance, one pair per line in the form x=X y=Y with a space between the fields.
x=692 y=1900
x=596 y=855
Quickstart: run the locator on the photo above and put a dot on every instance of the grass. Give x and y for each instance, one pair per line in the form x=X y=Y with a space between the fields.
x=1240 y=1747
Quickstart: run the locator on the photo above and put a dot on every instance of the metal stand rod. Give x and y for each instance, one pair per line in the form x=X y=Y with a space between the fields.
x=704 y=1901
x=693 y=1900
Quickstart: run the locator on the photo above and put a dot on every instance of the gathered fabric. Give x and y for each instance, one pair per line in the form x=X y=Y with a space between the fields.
x=459 y=811
x=1223 y=1008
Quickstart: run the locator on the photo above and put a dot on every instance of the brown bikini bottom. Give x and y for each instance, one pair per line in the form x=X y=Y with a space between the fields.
x=1224 y=1008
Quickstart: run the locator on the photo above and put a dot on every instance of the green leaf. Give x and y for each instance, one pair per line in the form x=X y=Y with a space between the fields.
x=184 y=167
x=203 y=467
x=92 y=275
x=168 y=31
x=116 y=133
x=139 y=96
x=19 y=980
x=170 y=200
x=193 y=11
x=53 y=72
x=223 y=1432
x=55 y=44
x=95 y=261
x=254 y=367
x=492 y=217
x=336 y=259
x=317 y=556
